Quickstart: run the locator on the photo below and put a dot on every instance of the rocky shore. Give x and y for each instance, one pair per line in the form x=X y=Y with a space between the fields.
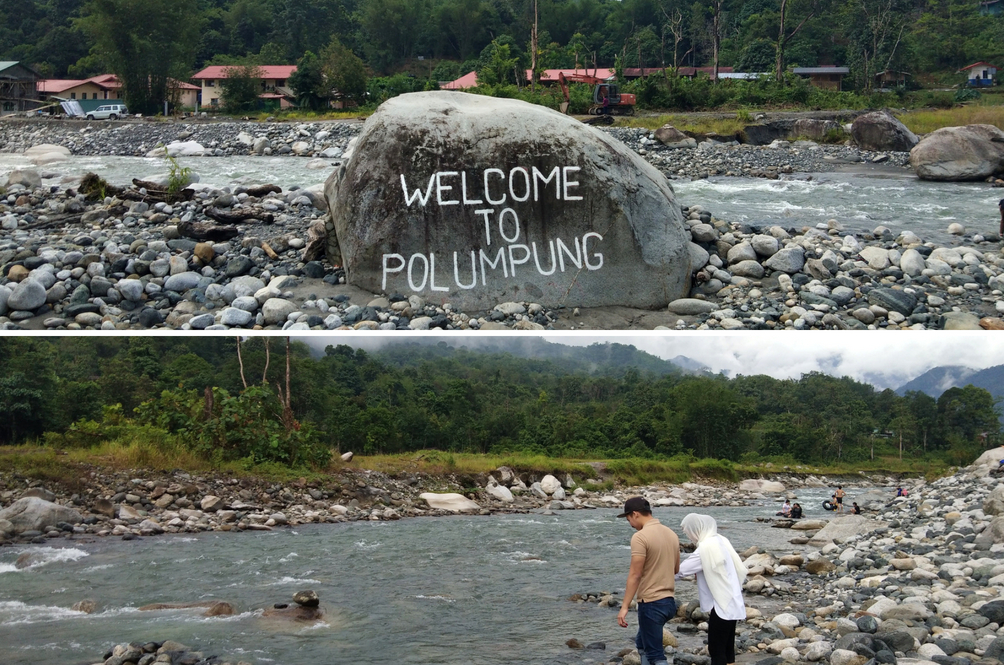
x=918 y=580
x=251 y=257
x=137 y=503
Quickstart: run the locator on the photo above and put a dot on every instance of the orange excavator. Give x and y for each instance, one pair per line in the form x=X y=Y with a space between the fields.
x=607 y=98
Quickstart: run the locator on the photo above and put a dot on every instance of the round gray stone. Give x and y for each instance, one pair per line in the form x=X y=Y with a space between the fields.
x=28 y=295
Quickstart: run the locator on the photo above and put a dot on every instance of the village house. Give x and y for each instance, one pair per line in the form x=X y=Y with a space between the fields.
x=981 y=74
x=828 y=77
x=274 y=89
x=17 y=87
x=890 y=79
x=97 y=90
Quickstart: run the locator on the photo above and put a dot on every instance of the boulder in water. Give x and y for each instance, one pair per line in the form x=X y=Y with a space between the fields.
x=448 y=501
x=973 y=152
x=880 y=130
x=474 y=201
x=32 y=514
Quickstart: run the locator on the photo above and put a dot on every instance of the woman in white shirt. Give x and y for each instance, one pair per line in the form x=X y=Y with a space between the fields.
x=720 y=574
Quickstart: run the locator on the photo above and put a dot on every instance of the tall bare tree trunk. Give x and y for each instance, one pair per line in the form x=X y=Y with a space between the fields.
x=779 y=59
x=717 y=36
x=240 y=361
x=533 y=47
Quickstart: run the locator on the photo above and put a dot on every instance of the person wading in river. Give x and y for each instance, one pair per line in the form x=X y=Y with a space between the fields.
x=655 y=560
x=720 y=574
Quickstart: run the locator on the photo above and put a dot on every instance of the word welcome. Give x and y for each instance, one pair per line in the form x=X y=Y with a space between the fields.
x=495 y=186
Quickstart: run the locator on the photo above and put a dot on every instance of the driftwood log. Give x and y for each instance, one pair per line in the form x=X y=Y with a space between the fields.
x=205 y=231
x=262 y=190
x=156 y=192
x=238 y=216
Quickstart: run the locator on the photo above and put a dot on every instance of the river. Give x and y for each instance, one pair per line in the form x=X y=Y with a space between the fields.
x=469 y=590
x=860 y=197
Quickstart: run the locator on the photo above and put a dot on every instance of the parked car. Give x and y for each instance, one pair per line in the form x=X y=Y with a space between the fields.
x=108 y=112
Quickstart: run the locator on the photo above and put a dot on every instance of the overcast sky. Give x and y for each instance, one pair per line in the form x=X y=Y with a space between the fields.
x=885 y=359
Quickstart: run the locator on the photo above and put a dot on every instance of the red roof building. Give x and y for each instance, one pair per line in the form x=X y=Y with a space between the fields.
x=273 y=83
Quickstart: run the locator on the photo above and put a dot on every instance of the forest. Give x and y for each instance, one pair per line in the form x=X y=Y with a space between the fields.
x=426 y=41
x=225 y=401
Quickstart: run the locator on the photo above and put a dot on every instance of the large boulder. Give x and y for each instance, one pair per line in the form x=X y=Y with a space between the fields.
x=32 y=513
x=449 y=501
x=880 y=130
x=991 y=457
x=841 y=528
x=47 y=153
x=671 y=137
x=973 y=152
x=474 y=201
x=27 y=177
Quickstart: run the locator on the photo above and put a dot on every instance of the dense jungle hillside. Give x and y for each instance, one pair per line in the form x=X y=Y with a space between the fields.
x=199 y=393
x=437 y=40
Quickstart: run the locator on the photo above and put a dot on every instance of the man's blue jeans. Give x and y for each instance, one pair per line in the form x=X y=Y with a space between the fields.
x=651 y=618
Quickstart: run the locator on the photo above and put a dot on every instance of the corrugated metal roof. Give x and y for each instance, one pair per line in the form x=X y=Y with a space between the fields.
x=4 y=64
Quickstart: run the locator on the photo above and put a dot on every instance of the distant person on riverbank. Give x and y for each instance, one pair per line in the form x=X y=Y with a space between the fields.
x=785 y=509
x=900 y=492
x=855 y=508
x=655 y=560
x=1000 y=206
x=838 y=498
x=796 y=512
x=720 y=574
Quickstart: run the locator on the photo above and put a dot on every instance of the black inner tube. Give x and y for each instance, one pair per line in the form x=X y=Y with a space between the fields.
x=828 y=506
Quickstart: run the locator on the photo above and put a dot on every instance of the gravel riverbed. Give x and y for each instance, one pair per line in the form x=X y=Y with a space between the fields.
x=122 y=262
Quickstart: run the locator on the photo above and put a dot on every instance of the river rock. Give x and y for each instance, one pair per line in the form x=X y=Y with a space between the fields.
x=973 y=152
x=28 y=295
x=32 y=513
x=671 y=137
x=500 y=492
x=844 y=527
x=86 y=606
x=691 y=306
x=881 y=131
x=550 y=484
x=26 y=177
x=448 y=501
x=306 y=598
x=568 y=215
x=759 y=485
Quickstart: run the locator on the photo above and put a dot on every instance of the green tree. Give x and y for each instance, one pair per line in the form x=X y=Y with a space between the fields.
x=144 y=43
x=498 y=66
x=240 y=88
x=343 y=71
x=308 y=82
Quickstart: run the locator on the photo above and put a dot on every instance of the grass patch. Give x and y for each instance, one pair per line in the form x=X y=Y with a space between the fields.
x=302 y=115
x=697 y=125
x=71 y=467
x=924 y=121
x=438 y=463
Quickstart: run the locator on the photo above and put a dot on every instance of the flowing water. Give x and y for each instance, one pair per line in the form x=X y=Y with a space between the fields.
x=464 y=590
x=859 y=197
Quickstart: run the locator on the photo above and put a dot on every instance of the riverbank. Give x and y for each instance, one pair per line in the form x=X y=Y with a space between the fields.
x=137 y=261
x=133 y=502
x=914 y=580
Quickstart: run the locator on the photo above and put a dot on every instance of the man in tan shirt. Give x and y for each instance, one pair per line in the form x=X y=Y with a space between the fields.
x=655 y=560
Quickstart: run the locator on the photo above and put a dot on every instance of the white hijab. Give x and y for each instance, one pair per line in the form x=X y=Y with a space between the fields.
x=712 y=548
